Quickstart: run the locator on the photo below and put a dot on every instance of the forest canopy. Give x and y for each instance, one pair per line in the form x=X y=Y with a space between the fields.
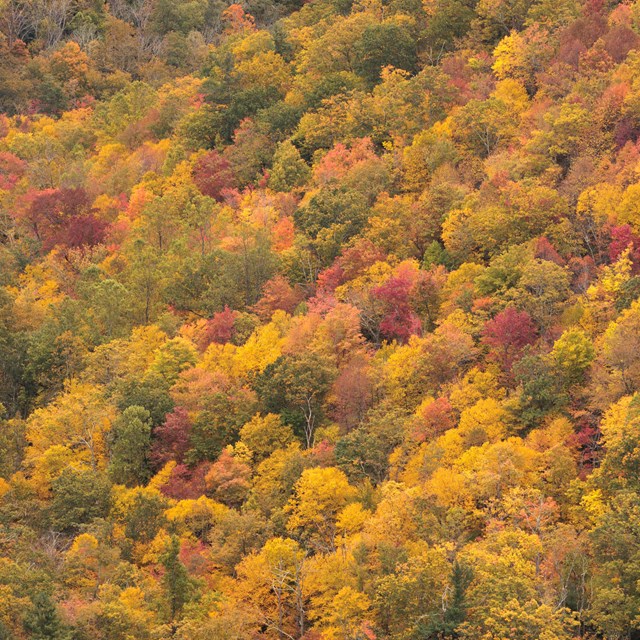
x=319 y=320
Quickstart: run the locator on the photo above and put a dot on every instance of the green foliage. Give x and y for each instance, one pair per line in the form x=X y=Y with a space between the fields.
x=176 y=579
x=79 y=496
x=130 y=440
x=43 y=621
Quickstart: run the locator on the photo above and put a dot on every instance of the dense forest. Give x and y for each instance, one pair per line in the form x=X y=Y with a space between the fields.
x=319 y=320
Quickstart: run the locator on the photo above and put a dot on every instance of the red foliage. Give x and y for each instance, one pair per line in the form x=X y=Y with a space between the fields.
x=85 y=230
x=585 y=30
x=228 y=480
x=584 y=270
x=11 y=170
x=351 y=394
x=358 y=258
x=619 y=41
x=324 y=453
x=339 y=160
x=433 y=419
x=507 y=335
x=61 y=217
x=625 y=131
x=587 y=440
x=196 y=556
x=212 y=174
x=330 y=279
x=460 y=77
x=220 y=328
x=622 y=238
x=186 y=483
x=399 y=321
x=171 y=439
x=351 y=263
x=277 y=294
x=546 y=251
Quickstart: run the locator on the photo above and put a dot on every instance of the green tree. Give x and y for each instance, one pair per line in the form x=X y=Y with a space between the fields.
x=540 y=389
x=387 y=43
x=43 y=621
x=79 y=496
x=130 y=441
x=176 y=580
x=296 y=387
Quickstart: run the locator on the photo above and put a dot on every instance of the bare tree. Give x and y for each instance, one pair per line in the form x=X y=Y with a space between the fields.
x=16 y=19
x=139 y=14
x=50 y=19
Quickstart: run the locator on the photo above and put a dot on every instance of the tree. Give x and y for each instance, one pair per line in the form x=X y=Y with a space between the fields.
x=80 y=417
x=130 y=441
x=79 y=496
x=506 y=335
x=228 y=479
x=220 y=328
x=618 y=355
x=541 y=391
x=265 y=434
x=352 y=393
x=482 y=126
x=347 y=615
x=171 y=439
x=277 y=294
x=319 y=496
x=183 y=16
x=399 y=321
x=176 y=581
x=330 y=217
x=43 y=621
x=272 y=580
x=432 y=418
x=448 y=21
x=542 y=290
x=212 y=174
x=389 y=43
x=412 y=596
x=251 y=150
x=573 y=353
x=296 y=386
x=288 y=171
x=529 y=621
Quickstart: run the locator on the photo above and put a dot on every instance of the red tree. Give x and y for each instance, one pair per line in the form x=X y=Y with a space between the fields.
x=61 y=217
x=622 y=238
x=399 y=321
x=546 y=251
x=352 y=394
x=228 y=480
x=11 y=170
x=507 y=335
x=277 y=294
x=220 y=328
x=433 y=419
x=186 y=483
x=212 y=174
x=171 y=439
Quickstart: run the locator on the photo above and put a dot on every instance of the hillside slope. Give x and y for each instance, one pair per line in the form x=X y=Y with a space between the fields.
x=319 y=321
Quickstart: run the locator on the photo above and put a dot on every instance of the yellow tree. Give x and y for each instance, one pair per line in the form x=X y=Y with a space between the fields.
x=272 y=581
x=80 y=418
x=320 y=494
